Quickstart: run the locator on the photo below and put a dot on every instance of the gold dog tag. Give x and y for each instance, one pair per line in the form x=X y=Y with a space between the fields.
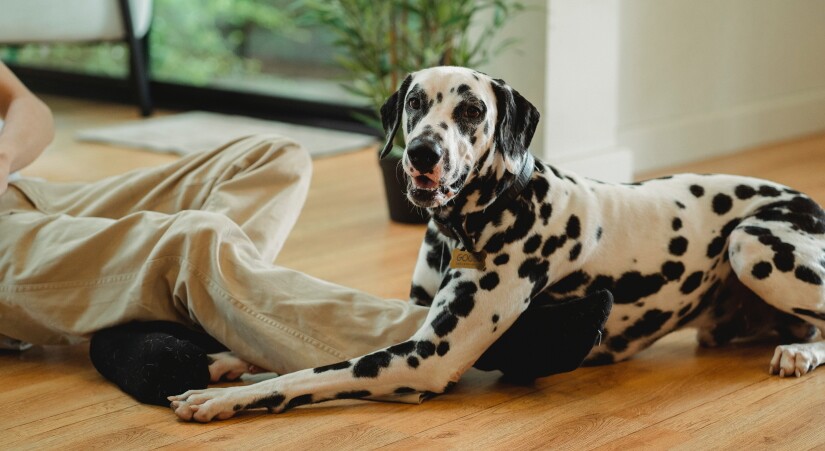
x=467 y=260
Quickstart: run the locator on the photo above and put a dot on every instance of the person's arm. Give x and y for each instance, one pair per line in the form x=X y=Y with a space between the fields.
x=28 y=127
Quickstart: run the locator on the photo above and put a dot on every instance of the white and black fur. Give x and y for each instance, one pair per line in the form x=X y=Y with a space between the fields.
x=731 y=256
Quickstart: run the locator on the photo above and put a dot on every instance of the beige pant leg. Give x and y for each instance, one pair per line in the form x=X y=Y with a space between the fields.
x=65 y=276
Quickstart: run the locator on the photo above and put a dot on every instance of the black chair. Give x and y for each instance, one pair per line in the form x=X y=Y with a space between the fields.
x=128 y=21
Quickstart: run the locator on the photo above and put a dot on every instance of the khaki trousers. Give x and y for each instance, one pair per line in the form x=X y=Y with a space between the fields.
x=191 y=242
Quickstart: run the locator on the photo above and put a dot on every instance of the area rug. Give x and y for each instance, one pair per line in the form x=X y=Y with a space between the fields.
x=196 y=131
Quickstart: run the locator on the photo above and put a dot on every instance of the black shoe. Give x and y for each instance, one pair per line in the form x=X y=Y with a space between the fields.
x=153 y=360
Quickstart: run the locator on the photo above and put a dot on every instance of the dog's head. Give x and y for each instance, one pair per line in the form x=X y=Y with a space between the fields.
x=457 y=124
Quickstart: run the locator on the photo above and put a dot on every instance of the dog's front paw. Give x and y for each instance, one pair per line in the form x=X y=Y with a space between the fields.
x=208 y=404
x=793 y=359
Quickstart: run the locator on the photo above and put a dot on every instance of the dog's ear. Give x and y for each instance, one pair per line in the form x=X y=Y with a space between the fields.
x=515 y=125
x=391 y=112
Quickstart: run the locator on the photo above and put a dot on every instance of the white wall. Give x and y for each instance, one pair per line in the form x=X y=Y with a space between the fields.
x=634 y=85
x=699 y=78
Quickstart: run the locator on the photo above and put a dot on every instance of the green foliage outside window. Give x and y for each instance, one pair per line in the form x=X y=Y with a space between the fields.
x=384 y=40
x=192 y=41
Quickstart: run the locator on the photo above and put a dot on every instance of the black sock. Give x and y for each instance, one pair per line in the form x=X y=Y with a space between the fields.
x=153 y=360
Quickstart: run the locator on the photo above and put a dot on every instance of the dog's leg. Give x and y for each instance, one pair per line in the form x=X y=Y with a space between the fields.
x=433 y=263
x=780 y=256
x=467 y=316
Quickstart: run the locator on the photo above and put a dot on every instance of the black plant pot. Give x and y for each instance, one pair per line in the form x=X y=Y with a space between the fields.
x=401 y=209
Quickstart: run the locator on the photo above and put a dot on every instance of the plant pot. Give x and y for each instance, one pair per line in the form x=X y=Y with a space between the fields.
x=400 y=208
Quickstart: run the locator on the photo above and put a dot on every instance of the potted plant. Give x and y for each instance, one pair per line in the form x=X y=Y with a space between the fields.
x=383 y=41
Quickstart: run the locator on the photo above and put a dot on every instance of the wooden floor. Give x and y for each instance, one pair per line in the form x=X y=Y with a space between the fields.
x=674 y=395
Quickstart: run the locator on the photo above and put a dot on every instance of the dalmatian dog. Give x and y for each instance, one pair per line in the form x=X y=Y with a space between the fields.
x=730 y=256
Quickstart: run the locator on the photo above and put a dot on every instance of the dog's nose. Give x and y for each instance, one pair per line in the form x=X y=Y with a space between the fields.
x=423 y=154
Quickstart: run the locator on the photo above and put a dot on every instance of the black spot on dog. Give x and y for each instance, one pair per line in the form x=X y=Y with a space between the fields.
x=486 y=128
x=617 y=344
x=464 y=300
x=575 y=251
x=420 y=295
x=769 y=191
x=495 y=318
x=545 y=211
x=533 y=268
x=807 y=274
x=678 y=246
x=697 y=190
x=439 y=98
x=673 y=270
x=676 y=224
x=443 y=348
x=715 y=247
x=722 y=203
x=473 y=140
x=599 y=233
x=402 y=348
x=501 y=259
x=552 y=244
x=443 y=125
x=811 y=313
x=683 y=311
x=489 y=281
x=462 y=88
x=784 y=260
x=335 y=366
x=404 y=390
x=270 y=402
x=801 y=212
x=744 y=192
x=692 y=282
x=444 y=323
x=633 y=286
x=370 y=365
x=570 y=282
x=413 y=362
x=649 y=324
x=355 y=394
x=762 y=270
x=532 y=244
x=299 y=401
x=540 y=187
x=573 y=228
x=425 y=348
x=756 y=231
x=680 y=205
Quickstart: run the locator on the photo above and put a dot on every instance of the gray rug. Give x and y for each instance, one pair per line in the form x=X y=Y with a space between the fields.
x=198 y=131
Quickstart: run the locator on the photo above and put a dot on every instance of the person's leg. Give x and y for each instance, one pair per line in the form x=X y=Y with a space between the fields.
x=260 y=182
x=79 y=275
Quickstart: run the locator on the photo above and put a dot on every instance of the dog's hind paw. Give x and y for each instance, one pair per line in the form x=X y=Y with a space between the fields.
x=793 y=360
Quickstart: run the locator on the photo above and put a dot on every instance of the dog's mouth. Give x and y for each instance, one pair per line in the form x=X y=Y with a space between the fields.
x=425 y=182
x=426 y=191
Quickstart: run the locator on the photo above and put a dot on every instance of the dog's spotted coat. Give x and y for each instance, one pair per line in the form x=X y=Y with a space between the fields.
x=731 y=256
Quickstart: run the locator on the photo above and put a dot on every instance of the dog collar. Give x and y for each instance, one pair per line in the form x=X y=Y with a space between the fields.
x=456 y=231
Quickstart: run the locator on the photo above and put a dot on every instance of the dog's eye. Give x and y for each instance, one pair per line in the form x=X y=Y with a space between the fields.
x=472 y=112
x=414 y=103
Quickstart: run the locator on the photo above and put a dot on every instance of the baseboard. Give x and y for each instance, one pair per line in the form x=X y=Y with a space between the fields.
x=713 y=134
x=609 y=165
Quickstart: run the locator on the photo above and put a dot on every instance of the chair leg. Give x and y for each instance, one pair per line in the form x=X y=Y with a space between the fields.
x=138 y=60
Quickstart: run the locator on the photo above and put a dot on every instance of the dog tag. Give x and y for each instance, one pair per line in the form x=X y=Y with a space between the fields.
x=468 y=260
